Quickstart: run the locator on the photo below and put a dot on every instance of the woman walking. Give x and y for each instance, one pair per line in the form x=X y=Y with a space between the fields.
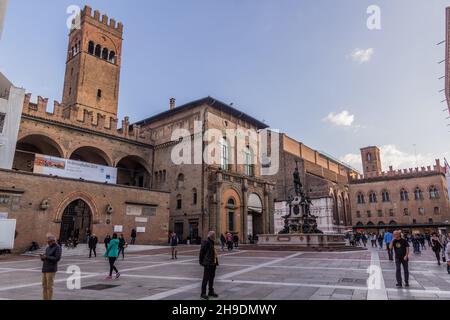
x=436 y=245
x=174 y=241
x=112 y=253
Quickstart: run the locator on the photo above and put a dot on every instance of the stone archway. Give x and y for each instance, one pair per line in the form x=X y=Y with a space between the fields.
x=255 y=215
x=91 y=154
x=76 y=221
x=231 y=215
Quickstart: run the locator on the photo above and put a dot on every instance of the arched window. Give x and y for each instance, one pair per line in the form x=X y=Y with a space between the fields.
x=231 y=202
x=381 y=223
x=360 y=224
x=179 y=202
x=421 y=211
x=370 y=224
x=112 y=57
x=98 y=50
x=385 y=195
x=437 y=210
x=164 y=173
x=180 y=181
x=105 y=54
x=372 y=197
x=434 y=193
x=418 y=194
x=393 y=223
x=194 y=196
x=406 y=212
x=91 y=47
x=360 y=198
x=369 y=157
x=249 y=162
x=224 y=154
x=404 y=195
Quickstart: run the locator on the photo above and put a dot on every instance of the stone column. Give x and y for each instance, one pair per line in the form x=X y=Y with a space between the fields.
x=266 y=210
x=244 y=223
x=218 y=219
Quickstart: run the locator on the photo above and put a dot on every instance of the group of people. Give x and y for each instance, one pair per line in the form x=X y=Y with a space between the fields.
x=229 y=240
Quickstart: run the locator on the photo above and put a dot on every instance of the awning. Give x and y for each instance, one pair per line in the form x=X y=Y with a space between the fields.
x=254 y=203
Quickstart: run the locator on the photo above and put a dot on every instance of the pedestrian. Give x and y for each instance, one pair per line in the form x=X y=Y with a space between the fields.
x=50 y=266
x=364 y=239
x=236 y=241
x=436 y=246
x=373 y=240
x=174 y=241
x=92 y=242
x=447 y=256
x=112 y=252
x=401 y=248
x=107 y=240
x=122 y=245
x=209 y=259
x=380 y=240
x=416 y=244
x=133 y=236
x=428 y=239
x=387 y=240
x=223 y=241
x=88 y=235
x=422 y=241
x=229 y=238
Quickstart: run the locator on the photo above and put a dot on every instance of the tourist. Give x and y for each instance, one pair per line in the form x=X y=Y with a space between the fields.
x=422 y=241
x=133 y=236
x=229 y=239
x=436 y=246
x=174 y=241
x=428 y=239
x=50 y=266
x=223 y=241
x=447 y=256
x=364 y=239
x=107 y=240
x=387 y=241
x=373 y=240
x=401 y=248
x=236 y=241
x=380 y=240
x=416 y=244
x=92 y=243
x=112 y=252
x=122 y=245
x=209 y=260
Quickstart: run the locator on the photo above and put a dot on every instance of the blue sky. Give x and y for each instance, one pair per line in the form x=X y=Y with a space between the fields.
x=288 y=62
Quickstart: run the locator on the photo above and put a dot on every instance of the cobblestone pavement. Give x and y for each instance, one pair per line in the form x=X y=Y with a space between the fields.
x=242 y=275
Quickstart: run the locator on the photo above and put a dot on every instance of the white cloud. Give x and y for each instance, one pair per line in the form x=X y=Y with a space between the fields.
x=391 y=155
x=362 y=55
x=344 y=118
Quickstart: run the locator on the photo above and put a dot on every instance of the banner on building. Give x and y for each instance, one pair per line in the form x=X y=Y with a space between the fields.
x=74 y=169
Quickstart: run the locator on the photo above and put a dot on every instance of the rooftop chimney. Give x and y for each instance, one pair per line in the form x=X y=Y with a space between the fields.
x=172 y=103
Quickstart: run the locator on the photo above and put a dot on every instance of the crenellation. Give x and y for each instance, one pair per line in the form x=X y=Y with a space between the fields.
x=87 y=11
x=112 y=23
x=105 y=19
x=97 y=15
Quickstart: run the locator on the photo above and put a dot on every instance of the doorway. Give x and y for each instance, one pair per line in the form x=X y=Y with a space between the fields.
x=76 y=221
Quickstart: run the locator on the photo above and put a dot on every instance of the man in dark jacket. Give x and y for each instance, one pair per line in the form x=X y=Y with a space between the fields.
x=93 y=240
x=209 y=260
x=50 y=266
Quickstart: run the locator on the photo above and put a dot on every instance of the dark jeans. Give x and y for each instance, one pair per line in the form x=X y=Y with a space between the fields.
x=92 y=250
x=448 y=268
x=112 y=267
x=122 y=250
x=437 y=252
x=390 y=252
x=208 y=279
x=133 y=240
x=399 y=262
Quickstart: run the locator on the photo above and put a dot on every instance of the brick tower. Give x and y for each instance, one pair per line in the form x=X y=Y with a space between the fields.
x=371 y=161
x=92 y=76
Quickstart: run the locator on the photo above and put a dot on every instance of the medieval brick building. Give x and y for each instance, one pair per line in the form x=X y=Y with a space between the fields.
x=414 y=200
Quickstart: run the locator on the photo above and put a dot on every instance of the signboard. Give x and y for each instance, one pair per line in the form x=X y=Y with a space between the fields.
x=140 y=229
x=118 y=228
x=7 y=234
x=74 y=169
x=141 y=220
